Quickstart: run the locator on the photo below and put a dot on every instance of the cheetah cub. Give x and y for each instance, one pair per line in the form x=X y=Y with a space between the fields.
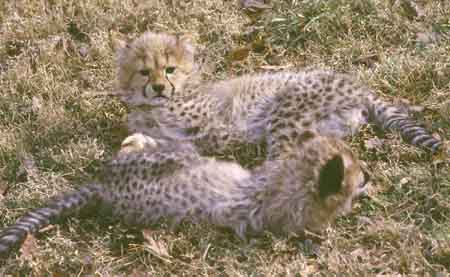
x=153 y=179
x=160 y=82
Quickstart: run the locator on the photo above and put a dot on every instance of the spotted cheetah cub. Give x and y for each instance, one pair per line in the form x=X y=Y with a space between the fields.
x=152 y=179
x=159 y=80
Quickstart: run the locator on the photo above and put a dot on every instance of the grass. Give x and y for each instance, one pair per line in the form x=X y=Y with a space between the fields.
x=54 y=136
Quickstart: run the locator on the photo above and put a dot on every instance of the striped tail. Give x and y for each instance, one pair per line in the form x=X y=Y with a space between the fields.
x=69 y=204
x=389 y=116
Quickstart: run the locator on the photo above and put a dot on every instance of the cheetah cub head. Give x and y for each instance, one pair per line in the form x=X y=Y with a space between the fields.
x=315 y=181
x=153 y=67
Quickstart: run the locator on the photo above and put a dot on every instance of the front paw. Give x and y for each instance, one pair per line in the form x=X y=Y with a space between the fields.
x=137 y=142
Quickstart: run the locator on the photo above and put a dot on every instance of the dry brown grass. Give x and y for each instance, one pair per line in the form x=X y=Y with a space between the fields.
x=53 y=53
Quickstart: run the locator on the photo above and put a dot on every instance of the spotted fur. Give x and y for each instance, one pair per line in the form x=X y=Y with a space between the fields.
x=151 y=179
x=252 y=108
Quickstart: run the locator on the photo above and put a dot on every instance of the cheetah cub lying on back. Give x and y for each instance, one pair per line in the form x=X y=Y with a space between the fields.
x=153 y=179
x=160 y=81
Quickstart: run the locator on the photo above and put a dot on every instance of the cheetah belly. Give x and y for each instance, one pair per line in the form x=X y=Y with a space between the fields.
x=208 y=192
x=248 y=129
x=251 y=121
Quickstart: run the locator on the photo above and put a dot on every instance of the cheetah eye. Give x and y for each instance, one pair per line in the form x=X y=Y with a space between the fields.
x=170 y=69
x=144 y=72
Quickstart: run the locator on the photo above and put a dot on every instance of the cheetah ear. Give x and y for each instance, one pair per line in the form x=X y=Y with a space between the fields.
x=331 y=177
x=118 y=44
x=185 y=42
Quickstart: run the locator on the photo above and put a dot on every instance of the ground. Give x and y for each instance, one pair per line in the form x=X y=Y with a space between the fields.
x=57 y=128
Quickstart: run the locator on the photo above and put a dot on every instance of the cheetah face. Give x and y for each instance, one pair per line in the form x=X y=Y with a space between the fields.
x=153 y=68
x=316 y=180
x=341 y=180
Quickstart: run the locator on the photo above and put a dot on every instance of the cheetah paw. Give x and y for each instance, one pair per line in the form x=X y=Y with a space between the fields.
x=137 y=142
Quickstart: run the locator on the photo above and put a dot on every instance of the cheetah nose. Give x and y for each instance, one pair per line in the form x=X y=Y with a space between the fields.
x=158 y=88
